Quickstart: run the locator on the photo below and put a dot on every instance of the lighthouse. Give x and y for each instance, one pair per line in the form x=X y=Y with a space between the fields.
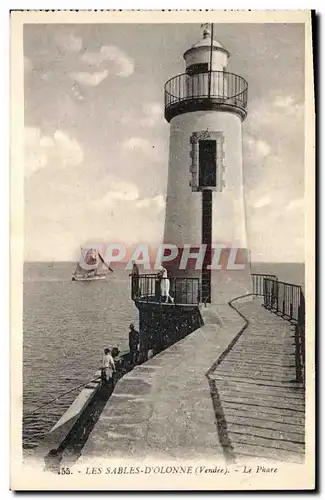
x=205 y=206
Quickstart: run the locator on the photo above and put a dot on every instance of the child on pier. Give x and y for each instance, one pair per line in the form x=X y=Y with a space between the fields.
x=108 y=367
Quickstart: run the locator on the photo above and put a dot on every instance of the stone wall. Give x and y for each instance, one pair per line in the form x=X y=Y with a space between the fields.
x=162 y=325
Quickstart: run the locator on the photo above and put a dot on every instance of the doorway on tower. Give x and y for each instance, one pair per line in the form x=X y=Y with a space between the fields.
x=206 y=240
x=207 y=163
x=207 y=183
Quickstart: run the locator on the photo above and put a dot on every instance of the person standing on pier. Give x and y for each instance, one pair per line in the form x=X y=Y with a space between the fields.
x=134 y=339
x=164 y=284
x=108 y=367
x=135 y=281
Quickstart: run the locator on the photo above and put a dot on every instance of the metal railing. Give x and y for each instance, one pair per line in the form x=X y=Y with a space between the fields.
x=288 y=300
x=228 y=88
x=149 y=288
x=282 y=298
x=258 y=282
x=300 y=341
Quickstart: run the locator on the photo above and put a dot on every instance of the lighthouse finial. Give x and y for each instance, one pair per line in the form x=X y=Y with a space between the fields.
x=206 y=30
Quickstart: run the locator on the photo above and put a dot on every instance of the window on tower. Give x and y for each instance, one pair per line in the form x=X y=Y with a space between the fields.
x=196 y=69
x=207 y=163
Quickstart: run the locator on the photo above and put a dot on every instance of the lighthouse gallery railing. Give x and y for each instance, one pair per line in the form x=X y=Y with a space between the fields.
x=147 y=288
x=227 y=88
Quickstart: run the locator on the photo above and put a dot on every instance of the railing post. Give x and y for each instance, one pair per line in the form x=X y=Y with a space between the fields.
x=297 y=352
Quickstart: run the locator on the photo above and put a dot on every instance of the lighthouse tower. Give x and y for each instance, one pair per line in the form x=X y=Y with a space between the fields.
x=205 y=208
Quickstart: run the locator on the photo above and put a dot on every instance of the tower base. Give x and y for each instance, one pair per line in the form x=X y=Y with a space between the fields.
x=228 y=285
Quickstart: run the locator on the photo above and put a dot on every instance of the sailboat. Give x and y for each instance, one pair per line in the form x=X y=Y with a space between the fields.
x=92 y=258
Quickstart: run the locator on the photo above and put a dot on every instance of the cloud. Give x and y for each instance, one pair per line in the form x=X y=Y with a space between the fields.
x=296 y=204
x=277 y=235
x=143 y=146
x=42 y=150
x=118 y=191
x=64 y=58
x=256 y=147
x=110 y=57
x=156 y=204
x=274 y=150
x=129 y=194
x=68 y=42
x=155 y=109
x=108 y=60
x=68 y=150
x=268 y=118
x=89 y=79
x=153 y=114
x=262 y=202
x=36 y=150
x=149 y=116
x=287 y=105
x=274 y=178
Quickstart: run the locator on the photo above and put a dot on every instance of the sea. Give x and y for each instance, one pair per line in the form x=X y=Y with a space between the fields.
x=66 y=326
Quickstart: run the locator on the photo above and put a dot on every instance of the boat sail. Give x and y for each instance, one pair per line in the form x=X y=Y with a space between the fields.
x=94 y=262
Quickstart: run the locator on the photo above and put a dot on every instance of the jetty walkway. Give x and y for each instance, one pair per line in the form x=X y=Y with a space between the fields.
x=225 y=391
x=259 y=406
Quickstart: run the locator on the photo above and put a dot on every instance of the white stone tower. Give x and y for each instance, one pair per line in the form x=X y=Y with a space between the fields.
x=205 y=107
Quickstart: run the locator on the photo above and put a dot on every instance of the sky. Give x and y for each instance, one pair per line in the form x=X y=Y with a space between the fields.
x=96 y=141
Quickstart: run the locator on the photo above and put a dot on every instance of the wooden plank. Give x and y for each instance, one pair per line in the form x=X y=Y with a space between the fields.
x=265 y=365
x=272 y=444
x=275 y=336
x=254 y=353
x=253 y=348
x=265 y=399
x=285 y=358
x=269 y=345
x=251 y=412
x=271 y=342
x=258 y=403
x=256 y=361
x=266 y=423
x=250 y=346
x=284 y=392
x=259 y=368
x=251 y=374
x=293 y=440
x=261 y=357
x=243 y=458
x=264 y=411
x=269 y=453
x=294 y=385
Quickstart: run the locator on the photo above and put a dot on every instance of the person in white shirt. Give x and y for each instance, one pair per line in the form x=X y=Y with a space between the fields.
x=165 y=284
x=108 y=366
